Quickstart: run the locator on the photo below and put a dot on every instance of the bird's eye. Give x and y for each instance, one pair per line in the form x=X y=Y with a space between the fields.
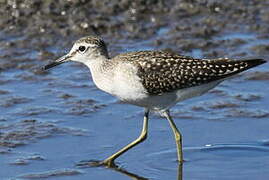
x=82 y=48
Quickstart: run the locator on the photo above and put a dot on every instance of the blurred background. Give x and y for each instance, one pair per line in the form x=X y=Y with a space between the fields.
x=49 y=121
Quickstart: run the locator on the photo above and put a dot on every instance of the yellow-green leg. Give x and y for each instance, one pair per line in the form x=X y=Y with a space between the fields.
x=177 y=134
x=110 y=160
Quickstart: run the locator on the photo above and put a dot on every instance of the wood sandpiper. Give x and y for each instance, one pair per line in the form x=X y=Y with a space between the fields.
x=155 y=80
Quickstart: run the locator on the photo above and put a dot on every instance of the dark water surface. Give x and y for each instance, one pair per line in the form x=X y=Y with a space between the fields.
x=49 y=121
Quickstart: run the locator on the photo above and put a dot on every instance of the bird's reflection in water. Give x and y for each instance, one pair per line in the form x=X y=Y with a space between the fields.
x=137 y=177
x=128 y=173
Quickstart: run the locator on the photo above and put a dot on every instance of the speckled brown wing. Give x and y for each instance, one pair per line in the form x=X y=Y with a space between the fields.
x=162 y=72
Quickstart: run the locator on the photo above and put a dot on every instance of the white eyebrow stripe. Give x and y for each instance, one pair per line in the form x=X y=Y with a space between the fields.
x=92 y=45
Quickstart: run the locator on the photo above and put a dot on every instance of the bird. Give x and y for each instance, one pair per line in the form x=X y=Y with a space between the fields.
x=153 y=79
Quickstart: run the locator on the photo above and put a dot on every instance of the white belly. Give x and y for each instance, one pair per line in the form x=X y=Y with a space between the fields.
x=167 y=100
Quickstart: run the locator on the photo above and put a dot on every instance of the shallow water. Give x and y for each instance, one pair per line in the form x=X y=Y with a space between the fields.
x=50 y=121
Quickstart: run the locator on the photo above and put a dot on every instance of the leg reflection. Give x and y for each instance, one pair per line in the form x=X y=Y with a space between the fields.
x=138 y=177
x=180 y=172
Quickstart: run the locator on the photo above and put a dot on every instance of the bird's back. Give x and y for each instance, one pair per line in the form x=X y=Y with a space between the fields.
x=162 y=72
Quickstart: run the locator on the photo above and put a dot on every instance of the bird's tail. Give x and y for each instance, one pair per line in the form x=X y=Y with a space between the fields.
x=250 y=63
x=242 y=65
x=227 y=68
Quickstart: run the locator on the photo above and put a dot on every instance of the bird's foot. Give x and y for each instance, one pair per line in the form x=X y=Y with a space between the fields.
x=96 y=163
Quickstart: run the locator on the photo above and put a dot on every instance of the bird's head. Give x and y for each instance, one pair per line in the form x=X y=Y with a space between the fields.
x=84 y=50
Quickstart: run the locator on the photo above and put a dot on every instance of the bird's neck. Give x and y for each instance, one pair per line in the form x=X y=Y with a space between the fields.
x=102 y=72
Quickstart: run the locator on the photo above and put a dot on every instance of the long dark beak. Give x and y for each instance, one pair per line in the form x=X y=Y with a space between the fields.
x=57 y=62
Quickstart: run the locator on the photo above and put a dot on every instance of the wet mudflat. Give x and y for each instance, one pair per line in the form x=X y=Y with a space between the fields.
x=49 y=121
